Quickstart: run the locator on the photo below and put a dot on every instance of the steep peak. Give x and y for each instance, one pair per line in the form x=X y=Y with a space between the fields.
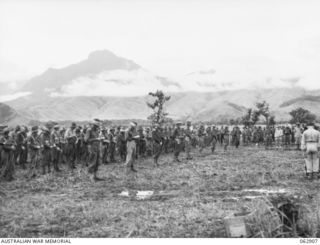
x=101 y=54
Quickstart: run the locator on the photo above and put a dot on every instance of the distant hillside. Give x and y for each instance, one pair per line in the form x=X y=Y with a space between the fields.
x=302 y=99
x=9 y=116
x=195 y=106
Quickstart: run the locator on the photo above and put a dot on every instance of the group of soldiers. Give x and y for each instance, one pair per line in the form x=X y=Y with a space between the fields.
x=49 y=147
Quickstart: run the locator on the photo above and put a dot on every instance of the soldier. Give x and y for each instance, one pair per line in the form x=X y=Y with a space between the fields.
x=79 y=145
x=19 y=141
x=55 y=150
x=24 y=156
x=93 y=142
x=287 y=136
x=46 y=150
x=105 y=145
x=214 y=138
x=268 y=137
x=142 y=142
x=131 y=137
x=149 y=146
x=34 y=149
x=63 y=146
x=226 y=137
x=278 y=137
x=178 y=141
x=201 y=138
x=1 y=144
x=112 y=145
x=157 y=142
x=297 y=136
x=7 y=171
x=310 y=144
x=71 y=139
x=121 y=142
x=188 y=140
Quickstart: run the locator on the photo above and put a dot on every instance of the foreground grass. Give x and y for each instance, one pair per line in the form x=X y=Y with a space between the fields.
x=199 y=194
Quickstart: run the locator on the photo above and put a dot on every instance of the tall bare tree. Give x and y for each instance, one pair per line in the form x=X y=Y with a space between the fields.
x=159 y=115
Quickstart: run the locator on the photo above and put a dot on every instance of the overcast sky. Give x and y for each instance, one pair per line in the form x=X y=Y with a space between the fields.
x=260 y=38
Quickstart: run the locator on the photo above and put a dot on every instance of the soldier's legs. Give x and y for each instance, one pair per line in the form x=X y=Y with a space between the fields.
x=46 y=158
x=105 y=154
x=188 y=149
x=55 y=159
x=213 y=145
x=94 y=161
x=8 y=168
x=131 y=154
x=112 y=151
x=177 y=149
x=315 y=163
x=309 y=162
x=157 y=148
x=71 y=156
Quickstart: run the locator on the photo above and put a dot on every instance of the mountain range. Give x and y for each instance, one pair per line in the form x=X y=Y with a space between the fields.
x=102 y=86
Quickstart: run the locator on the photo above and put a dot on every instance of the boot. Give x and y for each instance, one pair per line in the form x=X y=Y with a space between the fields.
x=156 y=162
x=309 y=176
x=96 y=178
x=133 y=169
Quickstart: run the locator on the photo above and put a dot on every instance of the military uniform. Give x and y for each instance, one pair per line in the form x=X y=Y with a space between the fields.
x=55 y=150
x=188 y=140
x=71 y=139
x=7 y=171
x=178 y=142
x=131 y=137
x=34 y=149
x=201 y=138
x=310 y=143
x=112 y=145
x=93 y=143
x=214 y=139
x=105 y=146
x=46 y=151
x=157 y=141
x=20 y=148
x=121 y=142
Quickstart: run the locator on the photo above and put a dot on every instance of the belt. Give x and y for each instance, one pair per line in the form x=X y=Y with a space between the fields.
x=311 y=141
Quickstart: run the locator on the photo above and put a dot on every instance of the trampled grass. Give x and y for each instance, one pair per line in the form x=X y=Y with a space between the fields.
x=191 y=199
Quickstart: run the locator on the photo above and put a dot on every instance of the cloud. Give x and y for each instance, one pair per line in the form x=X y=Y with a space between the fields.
x=115 y=83
x=8 y=97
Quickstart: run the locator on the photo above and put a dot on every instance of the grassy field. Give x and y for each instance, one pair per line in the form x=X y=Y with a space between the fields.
x=191 y=198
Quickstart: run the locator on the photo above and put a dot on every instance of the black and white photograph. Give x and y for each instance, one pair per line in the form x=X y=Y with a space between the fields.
x=159 y=119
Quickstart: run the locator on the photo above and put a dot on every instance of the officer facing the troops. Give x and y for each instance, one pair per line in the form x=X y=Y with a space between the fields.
x=310 y=144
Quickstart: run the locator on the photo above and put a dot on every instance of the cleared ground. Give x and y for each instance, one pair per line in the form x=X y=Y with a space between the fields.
x=190 y=198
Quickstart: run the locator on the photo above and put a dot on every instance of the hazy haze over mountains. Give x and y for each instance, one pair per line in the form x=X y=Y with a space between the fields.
x=216 y=58
x=110 y=87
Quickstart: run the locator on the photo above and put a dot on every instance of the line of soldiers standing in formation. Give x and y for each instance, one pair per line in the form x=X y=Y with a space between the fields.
x=50 y=146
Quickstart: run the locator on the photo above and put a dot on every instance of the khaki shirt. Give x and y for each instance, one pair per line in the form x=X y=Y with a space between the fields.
x=310 y=136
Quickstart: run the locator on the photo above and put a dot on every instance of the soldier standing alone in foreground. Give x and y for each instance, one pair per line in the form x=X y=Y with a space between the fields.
x=310 y=144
